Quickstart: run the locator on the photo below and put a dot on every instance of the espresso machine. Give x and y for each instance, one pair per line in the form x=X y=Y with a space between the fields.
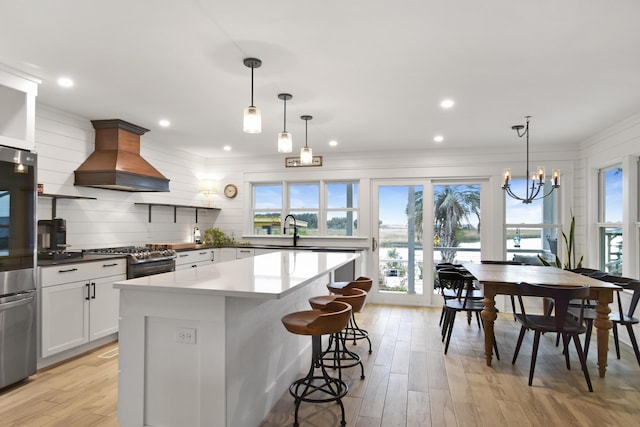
x=52 y=239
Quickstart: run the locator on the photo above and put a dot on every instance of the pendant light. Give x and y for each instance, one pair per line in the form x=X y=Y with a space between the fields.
x=285 y=142
x=252 y=122
x=536 y=190
x=306 y=154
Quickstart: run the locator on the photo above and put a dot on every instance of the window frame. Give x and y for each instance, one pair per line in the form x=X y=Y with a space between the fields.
x=602 y=225
x=322 y=210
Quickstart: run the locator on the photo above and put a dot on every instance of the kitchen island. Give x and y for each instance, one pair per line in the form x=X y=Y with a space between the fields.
x=205 y=346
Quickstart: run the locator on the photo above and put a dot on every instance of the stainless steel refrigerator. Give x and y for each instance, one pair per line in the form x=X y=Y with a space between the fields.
x=17 y=265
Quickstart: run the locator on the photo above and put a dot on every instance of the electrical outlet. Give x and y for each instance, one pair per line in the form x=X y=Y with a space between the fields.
x=185 y=335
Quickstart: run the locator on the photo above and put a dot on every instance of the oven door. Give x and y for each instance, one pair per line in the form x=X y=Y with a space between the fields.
x=148 y=268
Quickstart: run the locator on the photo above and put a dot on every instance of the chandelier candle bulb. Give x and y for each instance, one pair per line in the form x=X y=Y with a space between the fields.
x=541 y=174
x=507 y=176
x=556 y=178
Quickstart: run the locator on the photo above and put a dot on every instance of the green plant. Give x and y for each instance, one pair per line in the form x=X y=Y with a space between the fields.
x=569 y=244
x=215 y=236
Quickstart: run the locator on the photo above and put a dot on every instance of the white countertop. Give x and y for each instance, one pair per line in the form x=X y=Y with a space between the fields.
x=269 y=276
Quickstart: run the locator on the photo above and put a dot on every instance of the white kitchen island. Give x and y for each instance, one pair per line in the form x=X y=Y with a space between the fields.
x=205 y=346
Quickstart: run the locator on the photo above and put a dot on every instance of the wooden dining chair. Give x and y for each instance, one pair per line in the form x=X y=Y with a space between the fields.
x=568 y=327
x=447 y=286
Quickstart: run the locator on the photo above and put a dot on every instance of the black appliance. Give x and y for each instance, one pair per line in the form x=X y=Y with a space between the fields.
x=142 y=260
x=17 y=265
x=52 y=235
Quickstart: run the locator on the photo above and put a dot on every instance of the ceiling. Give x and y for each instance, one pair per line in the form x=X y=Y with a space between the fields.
x=371 y=73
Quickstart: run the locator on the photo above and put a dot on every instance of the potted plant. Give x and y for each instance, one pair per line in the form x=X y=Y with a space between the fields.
x=569 y=244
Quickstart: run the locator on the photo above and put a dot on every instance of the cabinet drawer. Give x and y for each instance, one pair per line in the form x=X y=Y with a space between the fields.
x=192 y=257
x=67 y=273
x=244 y=252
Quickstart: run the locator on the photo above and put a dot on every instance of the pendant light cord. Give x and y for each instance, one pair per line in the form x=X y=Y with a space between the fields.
x=285 y=115
x=252 y=87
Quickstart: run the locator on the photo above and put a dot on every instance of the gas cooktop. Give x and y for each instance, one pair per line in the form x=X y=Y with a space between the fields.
x=136 y=254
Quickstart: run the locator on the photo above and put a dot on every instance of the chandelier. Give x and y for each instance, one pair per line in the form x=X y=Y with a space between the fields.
x=535 y=190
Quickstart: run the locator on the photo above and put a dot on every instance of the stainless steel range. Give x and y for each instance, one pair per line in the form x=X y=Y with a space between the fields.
x=142 y=261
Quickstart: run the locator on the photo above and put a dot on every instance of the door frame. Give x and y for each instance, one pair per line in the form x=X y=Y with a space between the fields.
x=427 y=298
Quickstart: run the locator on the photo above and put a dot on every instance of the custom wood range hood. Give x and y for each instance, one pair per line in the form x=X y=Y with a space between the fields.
x=116 y=163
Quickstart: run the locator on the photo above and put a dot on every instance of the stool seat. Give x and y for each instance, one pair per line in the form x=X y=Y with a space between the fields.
x=330 y=319
x=362 y=282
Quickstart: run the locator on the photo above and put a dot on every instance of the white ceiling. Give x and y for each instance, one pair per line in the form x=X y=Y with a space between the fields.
x=371 y=73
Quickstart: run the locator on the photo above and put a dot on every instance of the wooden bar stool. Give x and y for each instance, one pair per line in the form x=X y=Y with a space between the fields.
x=353 y=329
x=345 y=358
x=331 y=319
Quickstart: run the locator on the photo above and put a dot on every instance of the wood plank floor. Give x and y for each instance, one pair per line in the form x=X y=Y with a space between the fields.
x=409 y=382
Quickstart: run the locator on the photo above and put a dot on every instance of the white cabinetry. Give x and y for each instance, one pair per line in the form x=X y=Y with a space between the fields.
x=228 y=254
x=192 y=259
x=17 y=108
x=79 y=303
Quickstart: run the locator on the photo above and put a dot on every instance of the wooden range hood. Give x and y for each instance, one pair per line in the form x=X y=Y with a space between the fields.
x=116 y=163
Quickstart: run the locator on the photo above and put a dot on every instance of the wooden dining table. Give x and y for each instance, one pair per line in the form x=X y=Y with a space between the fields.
x=501 y=279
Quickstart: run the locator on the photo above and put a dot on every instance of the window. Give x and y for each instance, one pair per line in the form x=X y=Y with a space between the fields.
x=320 y=208
x=531 y=229
x=610 y=220
x=267 y=209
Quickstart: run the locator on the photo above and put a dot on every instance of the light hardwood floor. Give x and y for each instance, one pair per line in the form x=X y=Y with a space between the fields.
x=409 y=382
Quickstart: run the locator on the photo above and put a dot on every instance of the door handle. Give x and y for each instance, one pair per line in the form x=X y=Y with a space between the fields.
x=88 y=297
x=374 y=244
x=94 y=291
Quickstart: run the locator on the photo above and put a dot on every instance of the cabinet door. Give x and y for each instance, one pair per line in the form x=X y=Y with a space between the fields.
x=104 y=307
x=227 y=254
x=65 y=317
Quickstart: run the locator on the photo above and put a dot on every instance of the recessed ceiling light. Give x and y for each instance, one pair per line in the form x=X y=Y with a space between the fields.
x=333 y=143
x=447 y=103
x=65 y=82
x=227 y=148
x=164 y=123
x=438 y=138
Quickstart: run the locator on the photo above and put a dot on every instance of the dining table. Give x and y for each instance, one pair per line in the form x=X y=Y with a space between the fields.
x=501 y=279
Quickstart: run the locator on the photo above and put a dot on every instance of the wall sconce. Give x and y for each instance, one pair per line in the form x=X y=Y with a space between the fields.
x=208 y=187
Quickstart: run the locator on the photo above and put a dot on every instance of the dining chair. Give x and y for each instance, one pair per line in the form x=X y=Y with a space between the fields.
x=462 y=302
x=557 y=321
x=447 y=285
x=621 y=317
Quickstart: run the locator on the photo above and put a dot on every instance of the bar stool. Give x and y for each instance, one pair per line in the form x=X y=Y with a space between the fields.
x=341 y=359
x=353 y=329
x=331 y=319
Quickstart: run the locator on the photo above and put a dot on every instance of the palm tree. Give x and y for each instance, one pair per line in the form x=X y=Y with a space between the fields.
x=451 y=206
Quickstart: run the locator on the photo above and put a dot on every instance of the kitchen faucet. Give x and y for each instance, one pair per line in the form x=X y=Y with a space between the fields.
x=295 y=229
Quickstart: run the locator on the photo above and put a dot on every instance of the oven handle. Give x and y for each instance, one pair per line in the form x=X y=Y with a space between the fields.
x=16 y=303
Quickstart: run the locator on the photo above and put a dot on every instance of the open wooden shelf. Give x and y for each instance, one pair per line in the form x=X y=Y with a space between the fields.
x=54 y=198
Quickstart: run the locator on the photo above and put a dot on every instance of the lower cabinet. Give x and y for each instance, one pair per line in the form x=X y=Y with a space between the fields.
x=192 y=259
x=79 y=311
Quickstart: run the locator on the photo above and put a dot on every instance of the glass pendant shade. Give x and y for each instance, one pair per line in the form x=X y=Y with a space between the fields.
x=306 y=155
x=252 y=121
x=285 y=142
